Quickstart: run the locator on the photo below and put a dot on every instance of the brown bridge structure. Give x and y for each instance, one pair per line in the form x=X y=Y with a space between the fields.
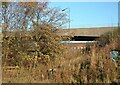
x=80 y=37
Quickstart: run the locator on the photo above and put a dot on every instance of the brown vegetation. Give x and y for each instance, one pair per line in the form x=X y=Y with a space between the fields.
x=37 y=56
x=70 y=66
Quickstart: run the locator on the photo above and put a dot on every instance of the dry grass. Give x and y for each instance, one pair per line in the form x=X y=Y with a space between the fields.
x=71 y=66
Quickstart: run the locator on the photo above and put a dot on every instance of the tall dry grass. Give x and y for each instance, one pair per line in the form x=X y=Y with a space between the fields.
x=71 y=66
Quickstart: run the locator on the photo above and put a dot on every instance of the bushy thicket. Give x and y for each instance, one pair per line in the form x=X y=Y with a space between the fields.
x=40 y=43
x=113 y=38
x=29 y=34
x=98 y=66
